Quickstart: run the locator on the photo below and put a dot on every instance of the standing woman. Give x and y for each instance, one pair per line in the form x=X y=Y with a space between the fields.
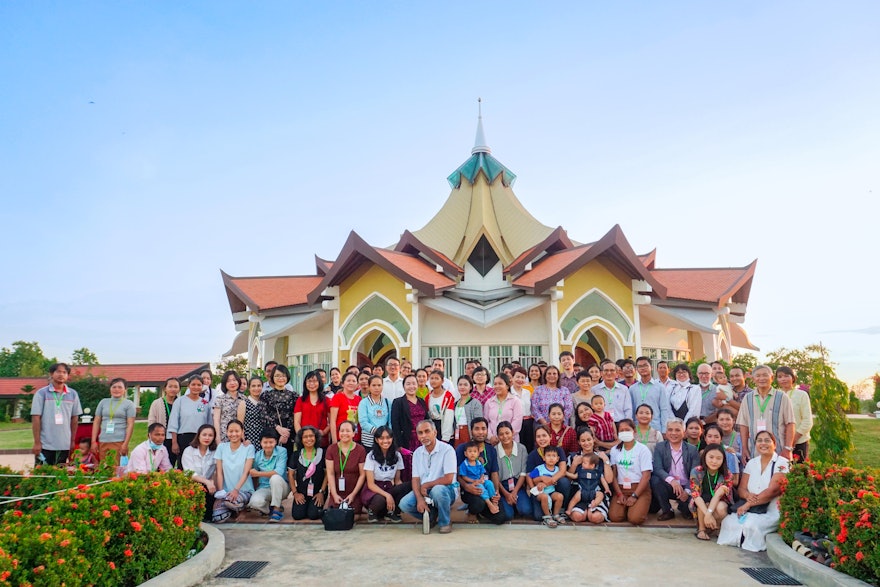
x=422 y=379
x=535 y=377
x=551 y=393
x=312 y=407
x=344 y=407
x=466 y=409
x=595 y=374
x=693 y=433
x=384 y=490
x=374 y=411
x=254 y=413
x=160 y=412
x=632 y=484
x=229 y=405
x=306 y=473
x=364 y=383
x=406 y=412
x=335 y=382
x=684 y=397
x=279 y=402
x=234 y=461
x=114 y=419
x=519 y=390
x=482 y=391
x=441 y=407
x=345 y=468
x=803 y=415
x=187 y=416
x=503 y=407
x=512 y=457
x=198 y=458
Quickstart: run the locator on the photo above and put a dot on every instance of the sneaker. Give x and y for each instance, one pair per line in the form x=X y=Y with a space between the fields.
x=426 y=521
x=446 y=529
x=276 y=516
x=393 y=517
x=371 y=517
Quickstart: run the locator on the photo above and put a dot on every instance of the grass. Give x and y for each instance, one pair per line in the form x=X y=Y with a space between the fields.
x=19 y=436
x=866 y=438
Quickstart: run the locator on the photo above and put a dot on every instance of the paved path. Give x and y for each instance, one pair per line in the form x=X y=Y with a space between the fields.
x=507 y=555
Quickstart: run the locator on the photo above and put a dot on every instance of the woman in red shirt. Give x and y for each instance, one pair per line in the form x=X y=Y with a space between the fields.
x=312 y=408
x=344 y=407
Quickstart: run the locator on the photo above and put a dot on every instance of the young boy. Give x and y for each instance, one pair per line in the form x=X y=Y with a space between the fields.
x=472 y=470
x=588 y=502
x=269 y=473
x=540 y=481
x=602 y=424
x=87 y=459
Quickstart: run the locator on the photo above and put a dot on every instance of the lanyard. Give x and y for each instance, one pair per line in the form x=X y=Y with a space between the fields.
x=345 y=460
x=150 y=454
x=58 y=399
x=167 y=409
x=762 y=406
x=712 y=482
x=112 y=409
x=613 y=392
x=644 y=391
x=308 y=461
x=626 y=459
x=509 y=466
x=732 y=441
x=500 y=406
x=643 y=437
x=705 y=393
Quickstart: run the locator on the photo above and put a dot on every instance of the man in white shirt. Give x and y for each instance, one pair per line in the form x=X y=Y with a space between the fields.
x=663 y=375
x=392 y=386
x=617 y=398
x=433 y=475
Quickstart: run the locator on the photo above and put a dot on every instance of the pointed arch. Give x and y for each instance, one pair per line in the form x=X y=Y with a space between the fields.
x=615 y=338
x=375 y=308
x=595 y=304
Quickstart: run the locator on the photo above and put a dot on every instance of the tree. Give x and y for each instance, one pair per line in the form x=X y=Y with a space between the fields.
x=26 y=359
x=84 y=356
x=238 y=364
x=804 y=361
x=876 y=389
x=831 y=436
x=745 y=361
x=91 y=390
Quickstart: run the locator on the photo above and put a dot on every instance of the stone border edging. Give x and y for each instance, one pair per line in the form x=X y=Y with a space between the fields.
x=805 y=570
x=195 y=570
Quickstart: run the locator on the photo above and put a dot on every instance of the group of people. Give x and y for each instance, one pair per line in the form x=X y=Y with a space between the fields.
x=607 y=443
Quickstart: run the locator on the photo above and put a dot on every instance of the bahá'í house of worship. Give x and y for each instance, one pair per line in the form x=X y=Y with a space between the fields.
x=485 y=279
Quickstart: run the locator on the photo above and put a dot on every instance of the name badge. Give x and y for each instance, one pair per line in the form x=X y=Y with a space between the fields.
x=342 y=484
x=626 y=485
x=378 y=413
x=59 y=418
x=111 y=426
x=510 y=484
x=762 y=425
x=310 y=489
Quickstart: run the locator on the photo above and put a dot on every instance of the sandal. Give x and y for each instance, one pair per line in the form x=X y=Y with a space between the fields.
x=549 y=522
x=560 y=518
x=701 y=535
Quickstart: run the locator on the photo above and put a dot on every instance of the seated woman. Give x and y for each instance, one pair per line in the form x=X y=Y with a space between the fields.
x=512 y=473
x=345 y=468
x=306 y=474
x=150 y=455
x=536 y=458
x=234 y=462
x=384 y=489
x=757 y=512
x=561 y=434
x=406 y=412
x=198 y=459
x=592 y=472
x=644 y=432
x=711 y=490
x=712 y=435
x=632 y=484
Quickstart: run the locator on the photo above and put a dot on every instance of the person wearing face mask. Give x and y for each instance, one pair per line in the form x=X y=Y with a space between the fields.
x=684 y=398
x=150 y=455
x=632 y=484
x=673 y=461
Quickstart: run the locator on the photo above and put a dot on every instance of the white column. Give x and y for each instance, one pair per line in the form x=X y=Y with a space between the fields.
x=415 y=334
x=555 y=295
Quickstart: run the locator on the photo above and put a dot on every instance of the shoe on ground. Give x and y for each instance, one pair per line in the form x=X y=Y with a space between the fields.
x=549 y=522
x=393 y=517
x=446 y=529
x=276 y=516
x=371 y=517
x=665 y=516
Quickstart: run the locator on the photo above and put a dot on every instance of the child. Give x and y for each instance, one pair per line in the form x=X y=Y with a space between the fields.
x=539 y=480
x=472 y=470
x=269 y=474
x=602 y=424
x=711 y=490
x=588 y=502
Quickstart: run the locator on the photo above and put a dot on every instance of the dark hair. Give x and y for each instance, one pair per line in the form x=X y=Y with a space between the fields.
x=392 y=359
x=629 y=423
x=628 y=362
x=540 y=373
x=478 y=420
x=251 y=380
x=691 y=420
x=551 y=449
x=520 y=369
x=581 y=374
x=164 y=385
x=468 y=379
x=55 y=366
x=599 y=395
x=643 y=358
x=662 y=363
x=379 y=377
x=155 y=425
x=283 y=370
x=413 y=375
x=712 y=427
x=225 y=378
x=503 y=424
x=503 y=377
x=578 y=423
x=768 y=433
x=269 y=433
x=722 y=470
x=619 y=363
x=234 y=421
x=681 y=367
x=389 y=459
x=305 y=392
x=555 y=405
x=116 y=380
x=472 y=444
x=440 y=373
x=727 y=411
x=266 y=366
x=650 y=409
x=582 y=429
x=349 y=374
x=208 y=371
x=788 y=371
x=558 y=374
x=304 y=429
x=195 y=440
x=481 y=369
x=565 y=354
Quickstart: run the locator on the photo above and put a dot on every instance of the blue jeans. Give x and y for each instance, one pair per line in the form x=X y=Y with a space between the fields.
x=524 y=505
x=443 y=496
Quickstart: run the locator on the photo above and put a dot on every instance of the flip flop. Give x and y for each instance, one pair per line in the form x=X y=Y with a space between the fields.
x=701 y=535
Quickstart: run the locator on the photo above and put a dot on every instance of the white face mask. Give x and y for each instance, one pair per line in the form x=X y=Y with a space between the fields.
x=626 y=436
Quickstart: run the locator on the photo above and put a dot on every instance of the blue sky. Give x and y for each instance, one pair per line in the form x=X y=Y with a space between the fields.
x=145 y=146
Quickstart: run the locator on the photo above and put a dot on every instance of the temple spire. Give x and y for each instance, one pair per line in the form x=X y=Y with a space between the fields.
x=480 y=145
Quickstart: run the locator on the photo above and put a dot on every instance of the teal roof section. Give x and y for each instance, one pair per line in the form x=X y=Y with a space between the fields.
x=481 y=161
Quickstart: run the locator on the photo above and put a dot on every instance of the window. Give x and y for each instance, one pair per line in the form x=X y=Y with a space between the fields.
x=669 y=355
x=499 y=354
x=529 y=354
x=441 y=352
x=302 y=364
x=483 y=257
x=466 y=353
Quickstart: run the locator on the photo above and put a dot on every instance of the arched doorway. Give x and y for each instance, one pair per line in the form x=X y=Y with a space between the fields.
x=373 y=348
x=589 y=351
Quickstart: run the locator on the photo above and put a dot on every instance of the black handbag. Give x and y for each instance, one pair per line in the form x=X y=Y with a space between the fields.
x=338 y=519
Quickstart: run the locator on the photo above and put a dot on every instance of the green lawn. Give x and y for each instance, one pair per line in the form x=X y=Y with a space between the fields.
x=866 y=438
x=19 y=436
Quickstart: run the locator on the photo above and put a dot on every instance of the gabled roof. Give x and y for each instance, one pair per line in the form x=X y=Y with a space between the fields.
x=408 y=268
x=613 y=246
x=715 y=285
x=147 y=374
x=12 y=386
x=648 y=259
x=265 y=293
x=322 y=266
x=555 y=241
x=408 y=243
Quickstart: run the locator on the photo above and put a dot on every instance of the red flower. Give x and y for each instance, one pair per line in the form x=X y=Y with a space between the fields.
x=60 y=561
x=50 y=509
x=106 y=494
x=112 y=565
x=127 y=500
x=73 y=506
x=5 y=575
x=81 y=486
x=45 y=536
x=64 y=543
x=178 y=521
x=106 y=513
x=156 y=484
x=128 y=552
x=114 y=507
x=137 y=526
x=860 y=556
x=17 y=513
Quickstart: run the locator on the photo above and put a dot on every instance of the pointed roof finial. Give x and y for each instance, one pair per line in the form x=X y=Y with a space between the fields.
x=480 y=145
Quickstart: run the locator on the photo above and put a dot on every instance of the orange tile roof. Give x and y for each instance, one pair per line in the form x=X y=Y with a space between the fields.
x=148 y=374
x=417 y=268
x=11 y=386
x=550 y=265
x=704 y=285
x=263 y=293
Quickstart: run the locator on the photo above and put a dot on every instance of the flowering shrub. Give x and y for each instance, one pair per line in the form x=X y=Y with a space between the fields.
x=842 y=503
x=122 y=531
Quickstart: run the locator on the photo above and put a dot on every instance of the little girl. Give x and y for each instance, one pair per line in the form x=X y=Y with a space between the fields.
x=711 y=490
x=471 y=470
x=588 y=502
x=603 y=424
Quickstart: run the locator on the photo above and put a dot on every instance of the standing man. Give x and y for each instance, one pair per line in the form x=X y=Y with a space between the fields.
x=392 y=386
x=629 y=372
x=670 y=479
x=437 y=364
x=707 y=393
x=740 y=389
x=470 y=492
x=469 y=367
x=433 y=475
x=568 y=376
x=766 y=409
x=651 y=392
x=663 y=375
x=617 y=398
x=54 y=417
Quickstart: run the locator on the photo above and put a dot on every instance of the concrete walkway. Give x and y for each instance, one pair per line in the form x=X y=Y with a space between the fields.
x=505 y=555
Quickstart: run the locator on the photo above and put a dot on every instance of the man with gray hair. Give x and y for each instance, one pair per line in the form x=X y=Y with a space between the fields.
x=768 y=409
x=670 y=479
x=433 y=477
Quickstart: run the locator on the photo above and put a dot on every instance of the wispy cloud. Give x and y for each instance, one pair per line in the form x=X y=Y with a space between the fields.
x=868 y=330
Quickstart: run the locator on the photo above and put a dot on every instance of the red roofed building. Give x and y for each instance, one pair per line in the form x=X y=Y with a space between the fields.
x=485 y=279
